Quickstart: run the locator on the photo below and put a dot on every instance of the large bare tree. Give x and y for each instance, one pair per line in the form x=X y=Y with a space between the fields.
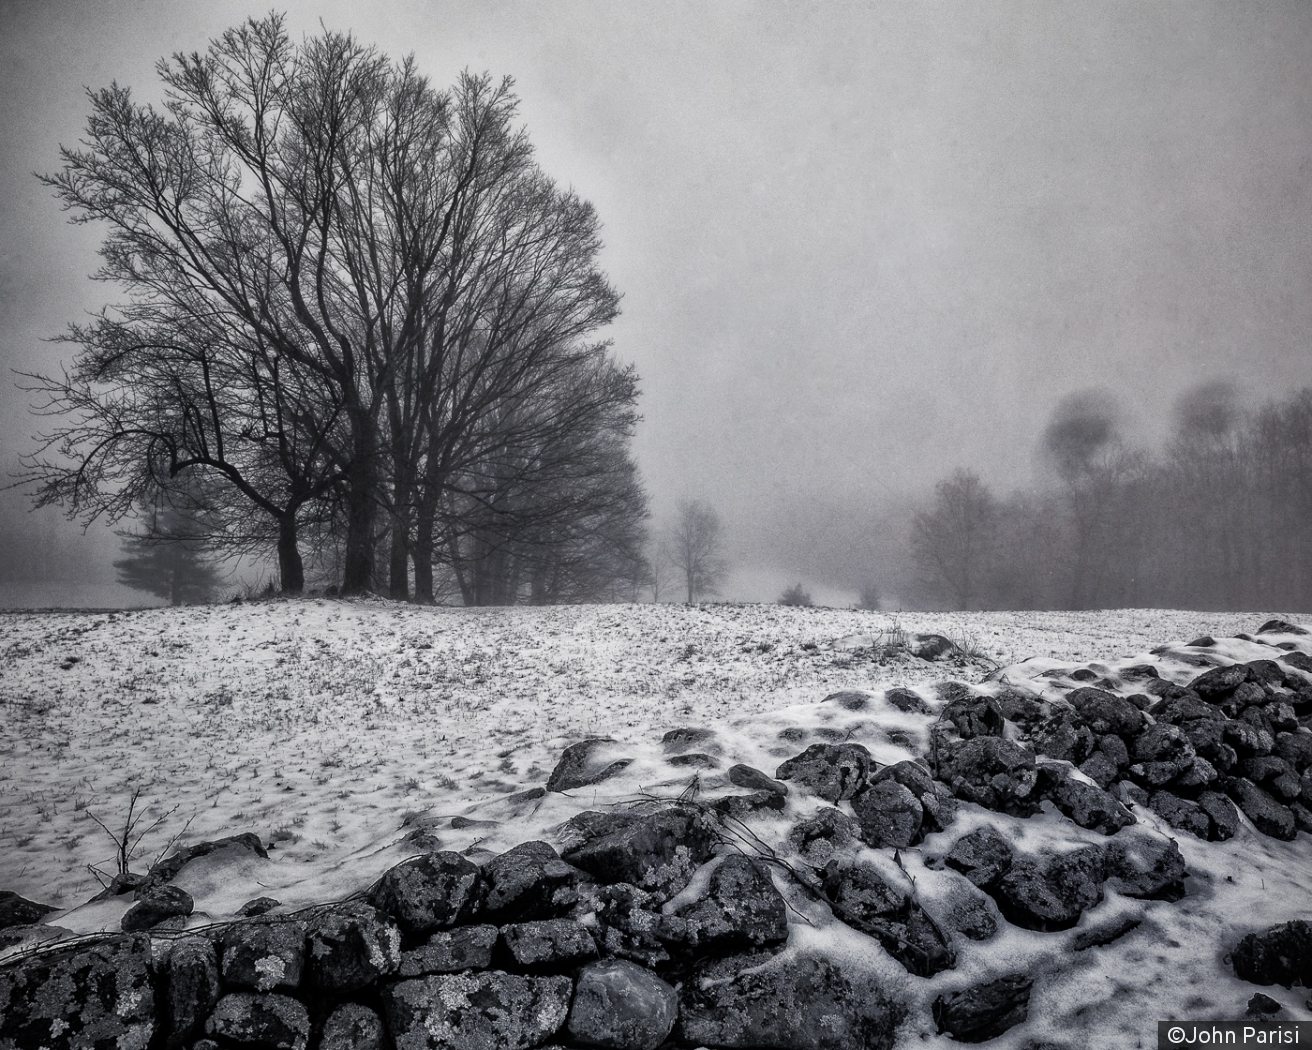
x=694 y=547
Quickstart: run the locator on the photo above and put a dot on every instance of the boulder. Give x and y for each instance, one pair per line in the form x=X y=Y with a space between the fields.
x=906 y=700
x=529 y=881
x=682 y=739
x=983 y=856
x=1262 y=1005
x=974 y=716
x=451 y=951
x=741 y=807
x=1144 y=866
x=166 y=869
x=620 y=1005
x=258 y=906
x=1280 y=627
x=986 y=1010
x=353 y=1027
x=191 y=989
x=890 y=815
x=586 y=763
x=634 y=928
x=862 y=899
x=745 y=776
x=1051 y=893
x=264 y=1019
x=1294 y=748
x=548 y=944
x=163 y=902
x=991 y=772
x=1248 y=739
x=1197 y=776
x=742 y=908
x=19 y=911
x=1279 y=955
x=1219 y=681
x=1023 y=708
x=819 y=837
x=1160 y=753
x=490 y=1010
x=832 y=771
x=1086 y=804
x=1181 y=813
x=428 y=893
x=263 y=956
x=1221 y=813
x=1105 y=712
x=1099 y=768
x=1267 y=815
x=799 y=1003
x=849 y=699
x=694 y=760
x=1065 y=737
x=351 y=947
x=655 y=851
x=1185 y=707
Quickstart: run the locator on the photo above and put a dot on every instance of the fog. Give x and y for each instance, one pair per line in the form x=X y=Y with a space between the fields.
x=860 y=246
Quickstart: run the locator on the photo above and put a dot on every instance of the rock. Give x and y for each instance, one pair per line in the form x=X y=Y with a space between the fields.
x=818 y=838
x=527 y=882
x=832 y=771
x=1222 y=814
x=889 y=814
x=19 y=911
x=263 y=956
x=451 y=951
x=970 y=913
x=1263 y=768
x=258 y=906
x=1086 y=804
x=862 y=899
x=1144 y=866
x=1100 y=769
x=849 y=699
x=1104 y=712
x=428 y=893
x=742 y=908
x=906 y=700
x=656 y=851
x=1114 y=748
x=931 y=646
x=86 y=996
x=620 y=1005
x=190 y=988
x=753 y=779
x=1020 y=707
x=986 y=1010
x=479 y=1011
x=1265 y=672
x=801 y=1003
x=1181 y=813
x=165 y=870
x=1105 y=933
x=974 y=716
x=1279 y=955
x=1302 y=816
x=352 y=1027
x=163 y=902
x=1161 y=752
x=983 y=856
x=677 y=740
x=1248 y=739
x=1267 y=815
x=1298 y=660
x=1065 y=737
x=1219 y=681
x=1051 y=893
x=351 y=947
x=991 y=772
x=694 y=760
x=1205 y=641
x=633 y=927
x=1262 y=1005
x=276 y=1022
x=1280 y=627
x=741 y=807
x=548 y=944
x=123 y=882
x=1198 y=775
x=583 y=764
x=1294 y=748
x=1129 y=794
x=1186 y=707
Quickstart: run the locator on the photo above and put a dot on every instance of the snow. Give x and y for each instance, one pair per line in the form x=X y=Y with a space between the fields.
x=348 y=733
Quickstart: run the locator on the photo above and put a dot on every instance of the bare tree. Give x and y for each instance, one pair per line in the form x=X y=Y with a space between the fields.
x=694 y=546
x=953 y=541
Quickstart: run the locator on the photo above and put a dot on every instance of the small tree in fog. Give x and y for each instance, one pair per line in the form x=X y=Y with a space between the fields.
x=694 y=548
x=796 y=595
x=953 y=541
x=168 y=560
x=868 y=598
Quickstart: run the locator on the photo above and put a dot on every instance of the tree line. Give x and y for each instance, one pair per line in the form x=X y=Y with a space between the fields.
x=1220 y=518
x=359 y=327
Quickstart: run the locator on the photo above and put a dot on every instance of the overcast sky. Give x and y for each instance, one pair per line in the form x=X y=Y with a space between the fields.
x=859 y=244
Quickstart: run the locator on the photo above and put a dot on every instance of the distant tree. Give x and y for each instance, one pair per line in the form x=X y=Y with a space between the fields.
x=168 y=559
x=694 y=548
x=868 y=598
x=796 y=595
x=953 y=541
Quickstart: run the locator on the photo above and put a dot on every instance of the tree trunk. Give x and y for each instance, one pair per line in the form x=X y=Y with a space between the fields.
x=398 y=569
x=422 y=556
x=358 y=570
x=291 y=571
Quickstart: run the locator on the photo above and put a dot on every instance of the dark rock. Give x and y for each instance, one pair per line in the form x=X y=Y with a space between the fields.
x=527 y=882
x=740 y=807
x=262 y=956
x=1207 y=736
x=849 y=699
x=86 y=996
x=1205 y=641
x=1262 y=768
x=1302 y=816
x=258 y=906
x=352 y=1027
x=656 y=851
x=1262 y=1005
x=931 y=646
x=1298 y=660
x=832 y=771
x=1065 y=737
x=163 y=902
x=1106 y=933
x=1129 y=794
x=428 y=893
x=971 y=914
x=1114 y=748
x=1199 y=775
x=1022 y=708
x=889 y=814
x=1294 y=748
x=1279 y=955
x=991 y=772
x=862 y=899
x=985 y=1011
x=1138 y=673
x=165 y=870
x=1265 y=672
x=1280 y=627
x=1186 y=707
x=1267 y=815
x=1086 y=804
x=742 y=908
x=818 y=838
x=744 y=776
x=1283 y=719
x=451 y=951
x=1219 y=681
x=351 y=947
x=1247 y=695
x=634 y=929
x=1222 y=814
x=1100 y=769
x=906 y=700
x=479 y=1011
x=123 y=882
x=1144 y=866
x=1104 y=712
x=19 y=911
x=578 y=765
x=275 y=1022
x=191 y=989
x=548 y=944
x=911 y=775
x=682 y=739
x=694 y=760
x=1051 y=893
x=1163 y=743
x=622 y=1006
x=801 y=1003
x=974 y=716
x=983 y=856
x=1181 y=813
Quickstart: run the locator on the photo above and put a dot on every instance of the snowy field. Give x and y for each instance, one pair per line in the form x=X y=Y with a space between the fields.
x=349 y=734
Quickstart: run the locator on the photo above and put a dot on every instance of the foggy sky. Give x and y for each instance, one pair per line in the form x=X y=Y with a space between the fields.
x=859 y=244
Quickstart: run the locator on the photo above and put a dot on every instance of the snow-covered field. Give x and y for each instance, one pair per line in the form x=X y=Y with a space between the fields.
x=349 y=734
